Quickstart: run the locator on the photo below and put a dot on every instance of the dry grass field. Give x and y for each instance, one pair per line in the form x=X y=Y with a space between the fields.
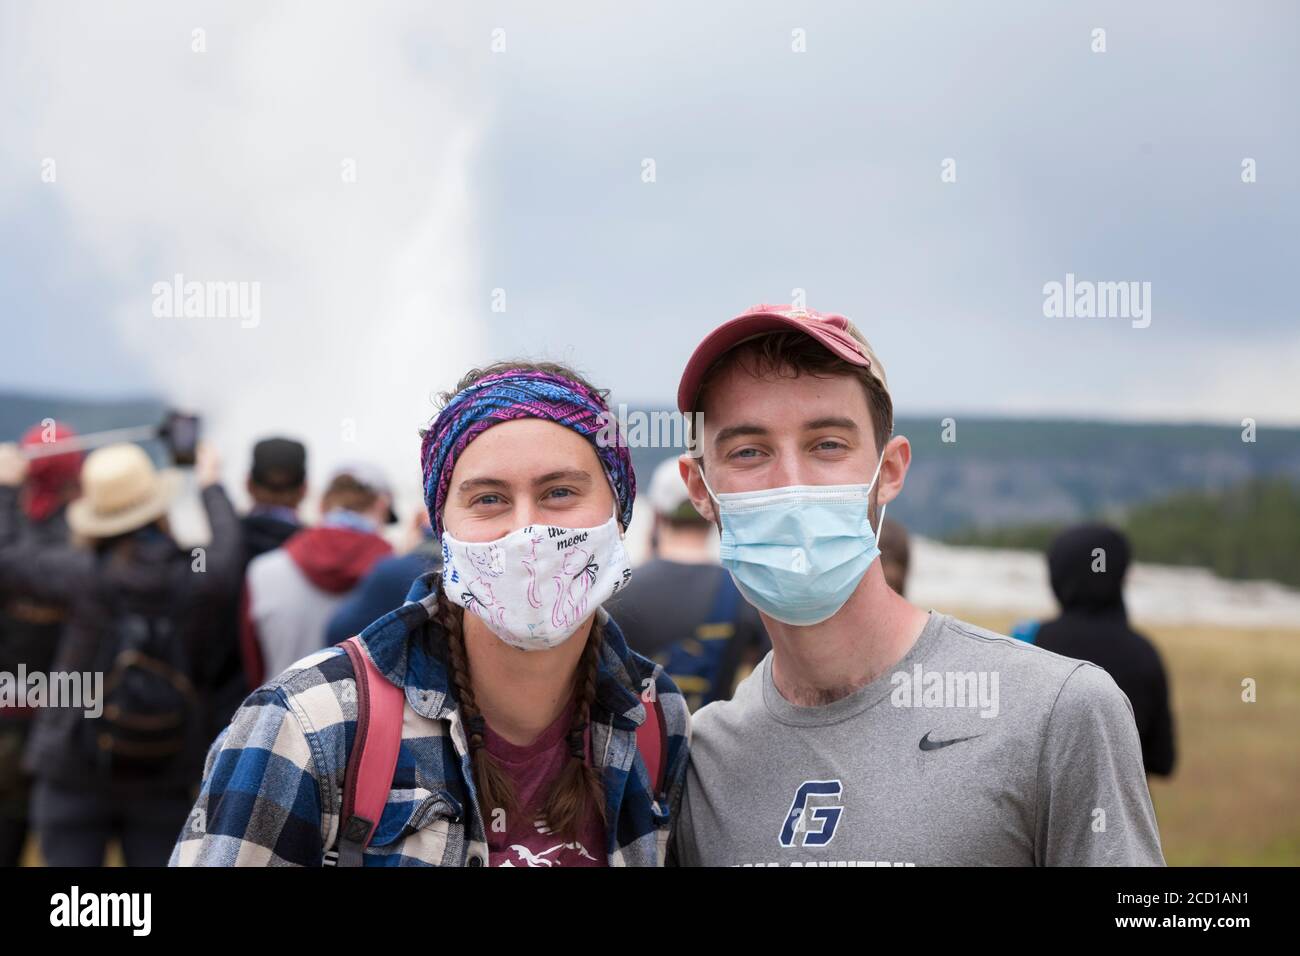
x=1234 y=798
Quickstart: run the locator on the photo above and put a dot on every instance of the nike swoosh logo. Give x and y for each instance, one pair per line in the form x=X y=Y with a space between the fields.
x=928 y=744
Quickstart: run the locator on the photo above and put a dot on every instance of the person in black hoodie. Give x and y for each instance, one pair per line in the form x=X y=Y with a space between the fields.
x=1087 y=565
x=122 y=761
x=29 y=629
x=277 y=484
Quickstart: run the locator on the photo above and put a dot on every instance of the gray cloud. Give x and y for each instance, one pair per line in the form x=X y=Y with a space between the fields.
x=776 y=170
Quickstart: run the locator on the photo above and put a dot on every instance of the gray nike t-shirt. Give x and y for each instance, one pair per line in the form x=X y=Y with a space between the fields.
x=975 y=749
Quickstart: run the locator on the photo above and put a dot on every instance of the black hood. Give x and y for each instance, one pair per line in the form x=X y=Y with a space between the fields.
x=266 y=532
x=1070 y=562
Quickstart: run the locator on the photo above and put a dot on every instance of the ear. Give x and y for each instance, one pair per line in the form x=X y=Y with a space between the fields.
x=893 y=471
x=690 y=471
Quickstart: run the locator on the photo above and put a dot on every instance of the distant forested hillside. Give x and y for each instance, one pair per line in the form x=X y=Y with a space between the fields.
x=1005 y=472
x=1250 y=531
x=18 y=412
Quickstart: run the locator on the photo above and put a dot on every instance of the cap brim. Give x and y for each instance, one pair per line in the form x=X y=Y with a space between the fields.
x=730 y=334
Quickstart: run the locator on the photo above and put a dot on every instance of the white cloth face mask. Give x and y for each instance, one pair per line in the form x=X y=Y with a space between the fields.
x=534 y=586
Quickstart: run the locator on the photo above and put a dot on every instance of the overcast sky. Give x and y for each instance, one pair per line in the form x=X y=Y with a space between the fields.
x=523 y=169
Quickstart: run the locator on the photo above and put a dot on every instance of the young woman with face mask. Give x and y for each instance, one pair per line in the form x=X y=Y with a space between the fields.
x=522 y=738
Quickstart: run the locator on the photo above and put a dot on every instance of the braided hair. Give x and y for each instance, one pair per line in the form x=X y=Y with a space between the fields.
x=578 y=789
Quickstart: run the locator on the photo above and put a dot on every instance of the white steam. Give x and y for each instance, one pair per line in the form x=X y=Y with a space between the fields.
x=229 y=165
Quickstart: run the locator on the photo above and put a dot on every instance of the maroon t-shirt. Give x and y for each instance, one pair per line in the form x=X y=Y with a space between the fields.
x=527 y=840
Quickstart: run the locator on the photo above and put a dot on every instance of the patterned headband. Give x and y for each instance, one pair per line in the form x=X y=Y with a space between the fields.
x=511 y=395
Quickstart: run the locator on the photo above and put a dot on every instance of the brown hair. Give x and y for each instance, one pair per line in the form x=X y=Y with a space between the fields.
x=348 y=493
x=791 y=354
x=578 y=791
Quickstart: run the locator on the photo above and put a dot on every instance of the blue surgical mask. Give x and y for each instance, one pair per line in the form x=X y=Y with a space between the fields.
x=798 y=553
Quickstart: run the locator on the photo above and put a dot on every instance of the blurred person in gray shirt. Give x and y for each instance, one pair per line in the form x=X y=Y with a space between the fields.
x=681 y=608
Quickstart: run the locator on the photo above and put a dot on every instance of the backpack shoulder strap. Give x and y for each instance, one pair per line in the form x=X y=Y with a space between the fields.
x=652 y=742
x=373 y=758
x=726 y=610
x=726 y=600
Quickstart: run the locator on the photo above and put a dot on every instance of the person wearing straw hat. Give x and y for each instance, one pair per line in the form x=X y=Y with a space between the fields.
x=122 y=492
x=121 y=760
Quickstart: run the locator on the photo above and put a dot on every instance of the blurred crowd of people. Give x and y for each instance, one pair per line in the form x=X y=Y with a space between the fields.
x=92 y=581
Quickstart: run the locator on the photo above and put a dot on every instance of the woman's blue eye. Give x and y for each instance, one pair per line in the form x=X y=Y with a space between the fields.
x=487 y=499
x=563 y=492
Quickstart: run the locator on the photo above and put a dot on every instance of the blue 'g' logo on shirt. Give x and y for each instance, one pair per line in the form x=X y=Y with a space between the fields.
x=816 y=804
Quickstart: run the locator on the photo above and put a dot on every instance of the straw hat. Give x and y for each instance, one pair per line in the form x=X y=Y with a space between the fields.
x=120 y=492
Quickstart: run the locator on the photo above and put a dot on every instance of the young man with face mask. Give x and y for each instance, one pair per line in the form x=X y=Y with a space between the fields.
x=875 y=733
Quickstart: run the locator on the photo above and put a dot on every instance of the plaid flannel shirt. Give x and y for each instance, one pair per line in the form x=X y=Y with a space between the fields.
x=273 y=780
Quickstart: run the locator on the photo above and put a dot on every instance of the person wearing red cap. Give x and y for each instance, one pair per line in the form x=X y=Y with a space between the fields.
x=875 y=733
x=30 y=628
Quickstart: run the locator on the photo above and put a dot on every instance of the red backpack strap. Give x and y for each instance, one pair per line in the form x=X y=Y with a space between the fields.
x=652 y=742
x=378 y=737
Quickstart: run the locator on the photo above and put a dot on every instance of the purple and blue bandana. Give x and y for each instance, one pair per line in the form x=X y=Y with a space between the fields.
x=511 y=395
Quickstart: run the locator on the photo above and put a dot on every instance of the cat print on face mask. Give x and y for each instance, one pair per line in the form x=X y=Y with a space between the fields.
x=489 y=563
x=501 y=581
x=530 y=566
x=578 y=573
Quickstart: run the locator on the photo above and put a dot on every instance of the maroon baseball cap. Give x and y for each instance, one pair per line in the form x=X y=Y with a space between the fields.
x=835 y=332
